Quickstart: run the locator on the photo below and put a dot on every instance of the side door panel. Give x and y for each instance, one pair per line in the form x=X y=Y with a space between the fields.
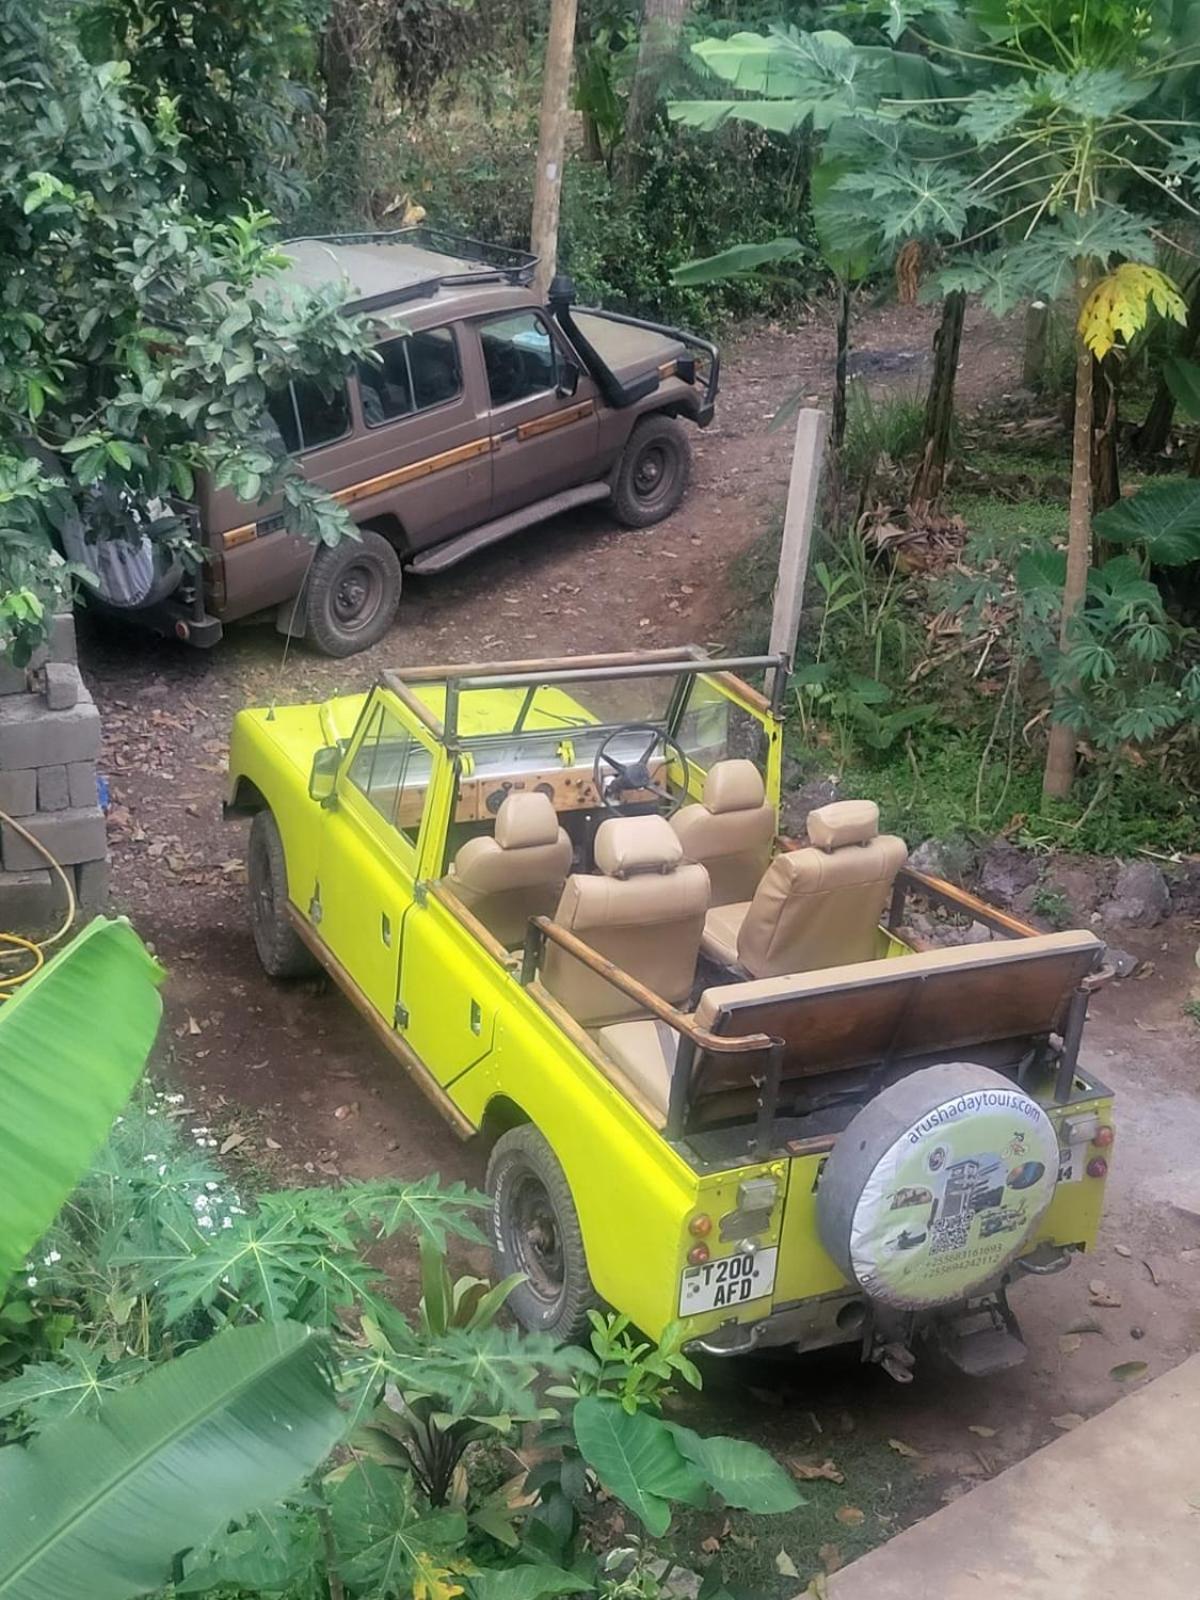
x=542 y=441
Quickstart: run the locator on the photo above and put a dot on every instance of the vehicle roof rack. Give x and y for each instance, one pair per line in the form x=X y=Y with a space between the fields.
x=425 y=259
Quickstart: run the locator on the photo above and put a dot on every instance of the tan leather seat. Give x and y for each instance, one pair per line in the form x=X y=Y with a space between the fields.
x=817 y=907
x=518 y=872
x=730 y=831
x=643 y=910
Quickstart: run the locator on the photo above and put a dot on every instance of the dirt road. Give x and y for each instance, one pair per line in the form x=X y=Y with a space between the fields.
x=295 y=1066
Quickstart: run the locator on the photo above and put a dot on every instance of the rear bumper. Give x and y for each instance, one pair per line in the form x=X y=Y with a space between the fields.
x=181 y=616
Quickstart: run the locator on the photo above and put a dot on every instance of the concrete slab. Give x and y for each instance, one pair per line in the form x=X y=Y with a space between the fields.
x=1112 y=1508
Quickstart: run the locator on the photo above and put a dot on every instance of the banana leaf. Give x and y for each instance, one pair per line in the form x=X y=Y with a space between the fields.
x=73 y=1042
x=99 y=1507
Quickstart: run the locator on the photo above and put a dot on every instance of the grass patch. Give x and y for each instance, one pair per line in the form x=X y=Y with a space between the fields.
x=1001 y=521
x=880 y=425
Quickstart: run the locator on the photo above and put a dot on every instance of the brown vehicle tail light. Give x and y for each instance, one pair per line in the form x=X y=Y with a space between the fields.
x=1103 y=1136
x=700 y=1225
x=698 y=1255
x=1097 y=1167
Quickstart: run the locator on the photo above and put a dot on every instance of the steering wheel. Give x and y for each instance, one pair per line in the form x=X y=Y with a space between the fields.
x=614 y=779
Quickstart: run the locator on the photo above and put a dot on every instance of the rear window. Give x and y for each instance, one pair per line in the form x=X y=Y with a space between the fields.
x=412 y=374
x=307 y=417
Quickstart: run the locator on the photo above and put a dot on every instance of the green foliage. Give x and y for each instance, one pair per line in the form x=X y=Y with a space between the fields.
x=1163 y=518
x=887 y=425
x=138 y=340
x=61 y=1084
x=99 y=1506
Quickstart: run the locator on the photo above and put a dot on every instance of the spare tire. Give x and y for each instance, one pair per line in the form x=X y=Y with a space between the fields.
x=937 y=1185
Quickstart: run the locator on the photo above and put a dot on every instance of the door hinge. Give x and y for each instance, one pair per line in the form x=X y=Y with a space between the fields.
x=420 y=892
x=401 y=1016
x=314 y=905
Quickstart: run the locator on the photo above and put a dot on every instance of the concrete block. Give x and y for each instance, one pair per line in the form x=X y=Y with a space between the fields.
x=12 y=679
x=53 y=792
x=81 y=783
x=30 y=901
x=70 y=836
x=62 y=684
x=92 y=884
x=18 y=793
x=60 y=641
x=31 y=735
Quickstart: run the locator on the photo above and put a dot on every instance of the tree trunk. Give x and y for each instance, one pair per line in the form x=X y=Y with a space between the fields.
x=1152 y=436
x=1033 y=363
x=552 y=140
x=347 y=58
x=837 y=432
x=1106 y=476
x=662 y=21
x=1060 y=753
x=939 y=406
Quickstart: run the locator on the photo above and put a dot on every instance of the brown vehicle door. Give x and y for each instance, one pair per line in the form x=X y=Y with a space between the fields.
x=423 y=451
x=543 y=440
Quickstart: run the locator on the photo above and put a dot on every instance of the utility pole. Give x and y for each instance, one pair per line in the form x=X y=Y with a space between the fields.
x=552 y=139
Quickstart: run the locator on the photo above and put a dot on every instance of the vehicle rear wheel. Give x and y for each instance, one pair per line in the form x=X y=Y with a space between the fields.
x=352 y=594
x=280 y=949
x=652 y=474
x=535 y=1230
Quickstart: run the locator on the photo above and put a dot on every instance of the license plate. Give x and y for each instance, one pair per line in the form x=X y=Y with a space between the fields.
x=731 y=1281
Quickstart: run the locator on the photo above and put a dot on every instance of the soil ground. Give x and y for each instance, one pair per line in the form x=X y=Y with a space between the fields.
x=296 y=1072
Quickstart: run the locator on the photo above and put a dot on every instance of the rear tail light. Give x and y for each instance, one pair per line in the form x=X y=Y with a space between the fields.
x=700 y=1225
x=1097 y=1167
x=698 y=1255
x=1103 y=1136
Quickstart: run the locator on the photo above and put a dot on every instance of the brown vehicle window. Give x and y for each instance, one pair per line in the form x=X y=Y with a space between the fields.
x=412 y=374
x=519 y=355
x=306 y=417
x=392 y=770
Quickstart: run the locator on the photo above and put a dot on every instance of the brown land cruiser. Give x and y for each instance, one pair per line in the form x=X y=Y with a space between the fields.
x=485 y=413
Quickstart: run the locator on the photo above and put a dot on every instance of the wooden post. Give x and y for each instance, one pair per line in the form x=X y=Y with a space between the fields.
x=798 y=519
x=552 y=139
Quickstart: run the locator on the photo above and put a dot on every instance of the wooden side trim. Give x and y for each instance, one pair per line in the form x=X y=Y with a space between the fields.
x=478 y=669
x=555 y=419
x=417 y=706
x=415 y=470
x=388 y=1037
x=949 y=894
x=583 y=1041
x=237 y=536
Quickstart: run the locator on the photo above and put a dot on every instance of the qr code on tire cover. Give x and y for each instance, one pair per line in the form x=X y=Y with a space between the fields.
x=952 y=1234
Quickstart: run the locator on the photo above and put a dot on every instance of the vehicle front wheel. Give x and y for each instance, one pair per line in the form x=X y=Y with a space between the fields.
x=535 y=1231
x=652 y=474
x=352 y=594
x=280 y=949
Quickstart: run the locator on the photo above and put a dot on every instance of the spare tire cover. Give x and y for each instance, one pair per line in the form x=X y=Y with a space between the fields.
x=936 y=1185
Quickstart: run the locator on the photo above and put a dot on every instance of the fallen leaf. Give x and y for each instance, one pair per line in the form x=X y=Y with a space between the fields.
x=1068 y=1343
x=1122 y=1249
x=849 y=1516
x=817 y=1589
x=1085 y=1325
x=710 y=1546
x=274 y=1144
x=785 y=1566
x=193 y=1027
x=1127 y=1370
x=1067 y=1421
x=1189 y=1255
x=830 y=1557
x=1099 y=1294
x=805 y=1471
x=1152 y=1270
x=232 y=1143
x=902 y=1449
x=983 y=1431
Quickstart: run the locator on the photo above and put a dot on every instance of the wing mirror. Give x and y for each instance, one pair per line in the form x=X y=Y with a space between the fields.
x=568 y=379
x=324 y=774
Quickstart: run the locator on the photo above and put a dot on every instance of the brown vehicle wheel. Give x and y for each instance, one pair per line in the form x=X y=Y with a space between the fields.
x=652 y=474
x=280 y=949
x=352 y=594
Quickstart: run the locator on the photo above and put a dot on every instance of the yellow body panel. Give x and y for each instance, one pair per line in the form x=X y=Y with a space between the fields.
x=362 y=888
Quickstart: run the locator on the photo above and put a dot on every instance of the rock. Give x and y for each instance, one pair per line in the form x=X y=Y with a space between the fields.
x=1082 y=888
x=929 y=857
x=796 y=806
x=1004 y=872
x=1122 y=963
x=1140 y=897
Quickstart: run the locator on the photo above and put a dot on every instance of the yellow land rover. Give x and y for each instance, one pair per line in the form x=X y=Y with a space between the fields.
x=715 y=1083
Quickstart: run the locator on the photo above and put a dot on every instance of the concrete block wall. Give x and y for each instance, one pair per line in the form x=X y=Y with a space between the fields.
x=49 y=742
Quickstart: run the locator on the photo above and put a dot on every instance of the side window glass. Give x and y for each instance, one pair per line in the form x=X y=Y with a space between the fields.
x=391 y=770
x=306 y=417
x=412 y=374
x=519 y=356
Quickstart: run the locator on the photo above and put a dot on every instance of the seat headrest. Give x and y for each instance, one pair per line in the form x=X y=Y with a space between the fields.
x=525 y=820
x=733 y=786
x=628 y=845
x=844 y=822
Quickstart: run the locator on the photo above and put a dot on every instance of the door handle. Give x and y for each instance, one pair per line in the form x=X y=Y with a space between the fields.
x=385 y=928
x=476 y=1017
